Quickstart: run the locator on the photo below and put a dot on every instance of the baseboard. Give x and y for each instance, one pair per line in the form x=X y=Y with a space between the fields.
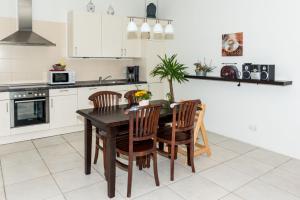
x=39 y=134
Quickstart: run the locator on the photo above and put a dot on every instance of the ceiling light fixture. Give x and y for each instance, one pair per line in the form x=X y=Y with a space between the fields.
x=169 y=28
x=158 y=28
x=145 y=27
x=132 y=27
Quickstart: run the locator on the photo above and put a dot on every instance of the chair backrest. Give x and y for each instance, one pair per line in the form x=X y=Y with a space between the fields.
x=184 y=115
x=143 y=123
x=105 y=99
x=130 y=97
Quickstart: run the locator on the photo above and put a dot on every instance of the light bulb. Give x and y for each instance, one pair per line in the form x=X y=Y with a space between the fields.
x=145 y=27
x=169 y=29
x=158 y=28
x=132 y=27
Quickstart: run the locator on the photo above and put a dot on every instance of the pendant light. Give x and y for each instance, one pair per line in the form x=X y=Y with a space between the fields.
x=158 y=28
x=145 y=27
x=169 y=28
x=132 y=27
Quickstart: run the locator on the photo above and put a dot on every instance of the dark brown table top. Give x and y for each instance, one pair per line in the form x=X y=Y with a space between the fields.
x=116 y=116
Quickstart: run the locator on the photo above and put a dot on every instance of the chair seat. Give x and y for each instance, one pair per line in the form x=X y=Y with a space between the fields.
x=165 y=134
x=138 y=146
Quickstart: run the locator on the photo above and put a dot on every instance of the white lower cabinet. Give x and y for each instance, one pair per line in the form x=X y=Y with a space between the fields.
x=4 y=117
x=63 y=107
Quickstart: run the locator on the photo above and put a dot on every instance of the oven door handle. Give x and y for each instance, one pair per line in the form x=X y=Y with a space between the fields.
x=28 y=101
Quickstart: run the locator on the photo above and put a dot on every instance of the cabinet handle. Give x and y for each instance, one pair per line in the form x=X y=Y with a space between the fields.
x=51 y=103
x=91 y=89
x=7 y=107
x=122 y=52
x=64 y=91
x=125 y=52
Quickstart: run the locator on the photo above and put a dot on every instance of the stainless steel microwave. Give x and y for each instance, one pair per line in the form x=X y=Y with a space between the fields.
x=61 y=77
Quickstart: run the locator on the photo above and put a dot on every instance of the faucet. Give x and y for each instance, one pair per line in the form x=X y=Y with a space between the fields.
x=103 y=79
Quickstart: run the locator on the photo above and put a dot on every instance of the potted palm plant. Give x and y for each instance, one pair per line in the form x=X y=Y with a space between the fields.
x=172 y=70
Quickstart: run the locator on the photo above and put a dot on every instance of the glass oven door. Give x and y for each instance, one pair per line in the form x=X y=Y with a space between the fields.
x=30 y=111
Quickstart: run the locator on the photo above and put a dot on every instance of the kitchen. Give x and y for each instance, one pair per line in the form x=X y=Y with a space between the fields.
x=51 y=147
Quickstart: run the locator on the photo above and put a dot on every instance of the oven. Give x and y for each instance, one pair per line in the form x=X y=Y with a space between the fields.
x=29 y=107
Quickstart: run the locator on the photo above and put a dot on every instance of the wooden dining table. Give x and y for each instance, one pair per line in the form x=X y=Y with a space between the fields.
x=111 y=121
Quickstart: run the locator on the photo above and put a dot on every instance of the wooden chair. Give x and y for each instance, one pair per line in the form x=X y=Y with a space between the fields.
x=102 y=100
x=132 y=100
x=141 y=142
x=199 y=129
x=181 y=132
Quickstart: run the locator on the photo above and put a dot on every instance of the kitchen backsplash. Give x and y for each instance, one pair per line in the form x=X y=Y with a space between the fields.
x=30 y=64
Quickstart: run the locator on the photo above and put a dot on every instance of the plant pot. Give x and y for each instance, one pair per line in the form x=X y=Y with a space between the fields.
x=144 y=103
x=201 y=73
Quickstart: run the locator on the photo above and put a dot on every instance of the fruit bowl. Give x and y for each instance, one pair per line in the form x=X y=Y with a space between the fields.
x=59 y=67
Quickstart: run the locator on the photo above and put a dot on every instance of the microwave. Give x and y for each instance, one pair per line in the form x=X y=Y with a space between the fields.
x=61 y=77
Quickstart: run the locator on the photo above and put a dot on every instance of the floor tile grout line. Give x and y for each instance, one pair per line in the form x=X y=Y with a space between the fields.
x=277 y=167
x=2 y=175
x=181 y=196
x=69 y=143
x=258 y=178
x=232 y=193
x=49 y=171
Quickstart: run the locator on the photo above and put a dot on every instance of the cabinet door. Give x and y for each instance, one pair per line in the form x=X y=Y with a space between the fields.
x=63 y=111
x=112 y=36
x=84 y=34
x=131 y=42
x=4 y=118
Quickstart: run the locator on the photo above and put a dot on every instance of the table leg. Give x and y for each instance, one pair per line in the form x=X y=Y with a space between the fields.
x=111 y=161
x=87 y=145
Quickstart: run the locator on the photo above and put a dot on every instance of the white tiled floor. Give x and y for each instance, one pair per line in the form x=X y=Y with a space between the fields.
x=52 y=169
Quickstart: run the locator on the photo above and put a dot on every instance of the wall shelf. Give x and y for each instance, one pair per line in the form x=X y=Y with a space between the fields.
x=215 y=78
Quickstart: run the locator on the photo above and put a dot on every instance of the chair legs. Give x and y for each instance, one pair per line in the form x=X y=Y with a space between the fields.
x=96 y=150
x=172 y=162
x=129 y=181
x=155 y=168
x=140 y=161
x=191 y=153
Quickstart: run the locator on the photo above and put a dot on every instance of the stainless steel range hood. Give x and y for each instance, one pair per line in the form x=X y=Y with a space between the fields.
x=25 y=36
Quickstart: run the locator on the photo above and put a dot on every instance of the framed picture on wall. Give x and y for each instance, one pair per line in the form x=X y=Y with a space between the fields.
x=232 y=44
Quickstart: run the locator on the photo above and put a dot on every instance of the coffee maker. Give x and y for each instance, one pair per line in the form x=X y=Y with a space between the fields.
x=133 y=74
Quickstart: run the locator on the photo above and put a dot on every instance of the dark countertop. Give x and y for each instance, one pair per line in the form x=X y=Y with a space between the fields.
x=36 y=86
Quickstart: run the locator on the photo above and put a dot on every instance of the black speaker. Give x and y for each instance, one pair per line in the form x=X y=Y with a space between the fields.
x=267 y=72
x=246 y=71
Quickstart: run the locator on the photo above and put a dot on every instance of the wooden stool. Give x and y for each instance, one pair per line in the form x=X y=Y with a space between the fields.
x=199 y=127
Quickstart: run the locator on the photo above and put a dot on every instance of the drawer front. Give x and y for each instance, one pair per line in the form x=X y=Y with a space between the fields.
x=63 y=92
x=4 y=96
x=84 y=93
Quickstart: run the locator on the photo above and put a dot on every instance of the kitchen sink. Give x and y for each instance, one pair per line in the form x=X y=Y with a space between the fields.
x=112 y=81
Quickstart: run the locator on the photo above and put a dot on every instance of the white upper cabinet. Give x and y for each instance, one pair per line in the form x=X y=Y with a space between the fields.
x=116 y=41
x=112 y=36
x=131 y=41
x=84 y=34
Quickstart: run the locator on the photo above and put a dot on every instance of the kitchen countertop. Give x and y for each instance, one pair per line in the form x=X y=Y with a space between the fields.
x=78 y=84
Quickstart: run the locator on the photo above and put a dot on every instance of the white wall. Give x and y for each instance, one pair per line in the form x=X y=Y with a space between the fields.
x=271 y=35
x=55 y=10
